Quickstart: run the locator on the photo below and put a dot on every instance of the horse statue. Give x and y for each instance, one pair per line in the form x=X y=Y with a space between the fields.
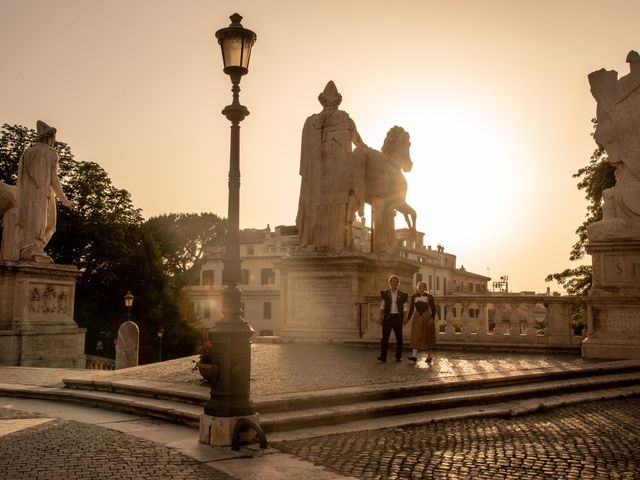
x=385 y=187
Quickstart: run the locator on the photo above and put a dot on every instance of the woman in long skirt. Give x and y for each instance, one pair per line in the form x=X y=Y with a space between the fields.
x=423 y=328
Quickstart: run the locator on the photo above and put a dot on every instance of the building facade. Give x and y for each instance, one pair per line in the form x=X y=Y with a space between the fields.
x=261 y=249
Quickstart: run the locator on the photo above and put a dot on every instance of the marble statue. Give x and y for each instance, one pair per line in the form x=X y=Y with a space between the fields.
x=386 y=187
x=332 y=184
x=29 y=210
x=337 y=180
x=618 y=132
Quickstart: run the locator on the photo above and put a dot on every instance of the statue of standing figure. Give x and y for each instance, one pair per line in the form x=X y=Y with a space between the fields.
x=337 y=180
x=618 y=132
x=28 y=210
x=332 y=185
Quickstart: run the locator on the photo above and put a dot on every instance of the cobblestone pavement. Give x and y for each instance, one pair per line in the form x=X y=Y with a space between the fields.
x=284 y=368
x=67 y=450
x=598 y=440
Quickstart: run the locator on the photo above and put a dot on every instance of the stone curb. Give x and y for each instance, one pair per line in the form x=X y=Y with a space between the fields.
x=331 y=397
x=397 y=399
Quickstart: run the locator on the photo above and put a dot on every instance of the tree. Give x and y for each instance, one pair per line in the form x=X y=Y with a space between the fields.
x=107 y=238
x=183 y=238
x=596 y=177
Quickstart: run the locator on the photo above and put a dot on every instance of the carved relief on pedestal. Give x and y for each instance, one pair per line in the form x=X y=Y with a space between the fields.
x=49 y=299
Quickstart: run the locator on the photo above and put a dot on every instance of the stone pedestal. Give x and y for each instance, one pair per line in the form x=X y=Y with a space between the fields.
x=321 y=292
x=127 y=345
x=36 y=316
x=613 y=303
x=218 y=431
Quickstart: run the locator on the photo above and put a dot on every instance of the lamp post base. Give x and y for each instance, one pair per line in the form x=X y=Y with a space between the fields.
x=231 y=431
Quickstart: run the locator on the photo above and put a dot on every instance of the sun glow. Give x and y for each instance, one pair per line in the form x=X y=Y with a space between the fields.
x=463 y=184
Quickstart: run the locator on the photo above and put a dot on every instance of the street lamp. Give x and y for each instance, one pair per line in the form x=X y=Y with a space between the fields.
x=230 y=336
x=160 y=335
x=128 y=302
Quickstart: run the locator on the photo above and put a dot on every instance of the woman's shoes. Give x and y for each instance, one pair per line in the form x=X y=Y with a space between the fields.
x=413 y=359
x=429 y=359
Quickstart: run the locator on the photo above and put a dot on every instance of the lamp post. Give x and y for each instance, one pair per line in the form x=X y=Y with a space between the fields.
x=128 y=302
x=231 y=349
x=160 y=336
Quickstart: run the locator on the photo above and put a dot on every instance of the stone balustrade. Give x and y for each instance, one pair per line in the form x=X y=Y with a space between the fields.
x=95 y=362
x=506 y=320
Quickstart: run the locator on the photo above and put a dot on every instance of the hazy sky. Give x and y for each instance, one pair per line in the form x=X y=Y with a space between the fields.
x=494 y=95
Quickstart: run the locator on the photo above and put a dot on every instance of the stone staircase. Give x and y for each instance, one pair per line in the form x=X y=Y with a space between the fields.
x=400 y=403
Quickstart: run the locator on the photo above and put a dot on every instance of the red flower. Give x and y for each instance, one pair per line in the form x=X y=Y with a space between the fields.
x=204 y=351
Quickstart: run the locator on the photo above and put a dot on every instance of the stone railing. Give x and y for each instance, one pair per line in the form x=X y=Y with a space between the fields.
x=100 y=363
x=507 y=320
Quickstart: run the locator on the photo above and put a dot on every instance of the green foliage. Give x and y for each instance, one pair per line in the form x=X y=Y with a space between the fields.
x=595 y=177
x=183 y=237
x=107 y=238
x=578 y=318
x=576 y=281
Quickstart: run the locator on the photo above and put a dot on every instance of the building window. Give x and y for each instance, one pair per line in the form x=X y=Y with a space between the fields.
x=268 y=276
x=244 y=276
x=206 y=310
x=266 y=310
x=437 y=283
x=207 y=277
x=418 y=277
x=430 y=282
x=250 y=250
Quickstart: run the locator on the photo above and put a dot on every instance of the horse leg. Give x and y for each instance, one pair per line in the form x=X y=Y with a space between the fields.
x=409 y=215
x=379 y=234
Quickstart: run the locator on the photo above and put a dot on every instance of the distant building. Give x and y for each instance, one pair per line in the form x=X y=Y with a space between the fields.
x=438 y=268
x=260 y=250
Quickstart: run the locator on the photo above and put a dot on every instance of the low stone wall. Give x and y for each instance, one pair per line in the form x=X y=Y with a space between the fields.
x=542 y=321
x=95 y=362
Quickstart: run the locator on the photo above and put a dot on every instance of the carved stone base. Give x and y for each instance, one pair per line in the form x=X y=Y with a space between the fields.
x=321 y=292
x=36 y=316
x=218 y=431
x=613 y=303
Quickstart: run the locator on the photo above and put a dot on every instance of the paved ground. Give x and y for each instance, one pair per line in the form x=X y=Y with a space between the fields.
x=598 y=440
x=40 y=439
x=69 y=450
x=284 y=368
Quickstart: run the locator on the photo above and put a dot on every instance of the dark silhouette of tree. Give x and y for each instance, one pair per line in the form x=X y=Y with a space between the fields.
x=107 y=238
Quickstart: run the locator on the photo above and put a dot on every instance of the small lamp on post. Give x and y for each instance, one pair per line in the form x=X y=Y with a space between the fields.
x=230 y=402
x=160 y=336
x=128 y=302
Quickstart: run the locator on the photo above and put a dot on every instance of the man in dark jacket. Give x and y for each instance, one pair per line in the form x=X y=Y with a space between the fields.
x=392 y=313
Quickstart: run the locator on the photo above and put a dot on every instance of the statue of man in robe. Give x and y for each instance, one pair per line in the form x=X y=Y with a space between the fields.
x=618 y=116
x=30 y=223
x=332 y=184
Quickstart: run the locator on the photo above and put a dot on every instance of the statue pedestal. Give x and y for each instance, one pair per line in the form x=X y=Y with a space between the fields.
x=36 y=316
x=613 y=303
x=322 y=292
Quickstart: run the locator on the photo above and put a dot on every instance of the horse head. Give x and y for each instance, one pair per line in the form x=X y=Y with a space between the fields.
x=396 y=148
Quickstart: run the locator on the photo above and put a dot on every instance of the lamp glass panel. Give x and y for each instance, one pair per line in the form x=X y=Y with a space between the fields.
x=232 y=51
x=246 y=52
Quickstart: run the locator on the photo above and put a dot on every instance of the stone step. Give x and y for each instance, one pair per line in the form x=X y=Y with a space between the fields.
x=314 y=408
x=349 y=395
x=310 y=417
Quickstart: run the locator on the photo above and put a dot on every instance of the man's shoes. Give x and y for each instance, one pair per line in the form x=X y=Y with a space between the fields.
x=413 y=359
x=398 y=359
x=429 y=359
x=383 y=360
